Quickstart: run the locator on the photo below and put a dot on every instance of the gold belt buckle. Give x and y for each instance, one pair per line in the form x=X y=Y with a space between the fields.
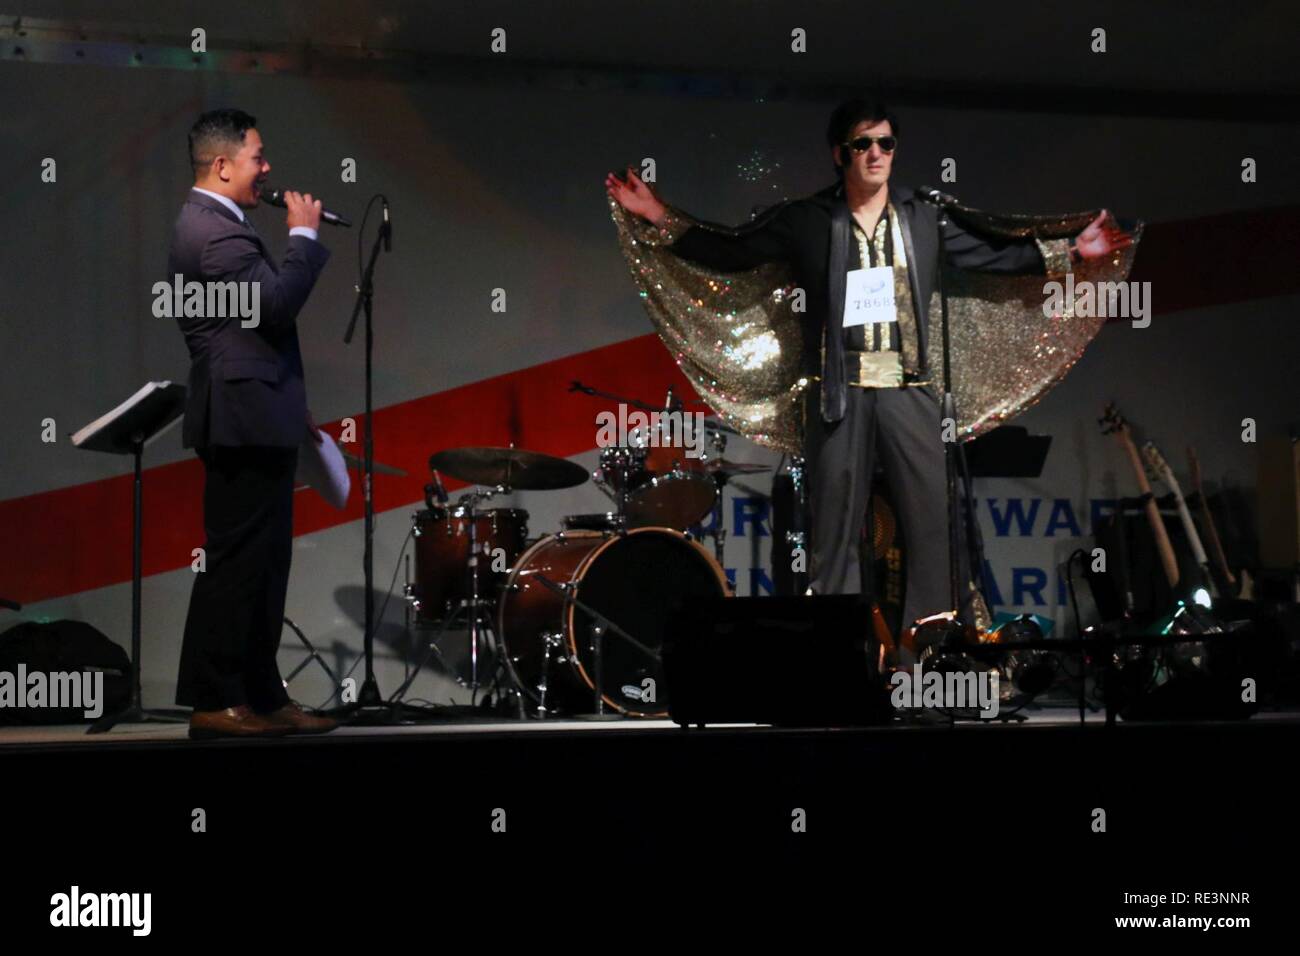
x=873 y=369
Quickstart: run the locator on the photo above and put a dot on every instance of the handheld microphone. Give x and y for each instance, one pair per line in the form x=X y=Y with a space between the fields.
x=275 y=197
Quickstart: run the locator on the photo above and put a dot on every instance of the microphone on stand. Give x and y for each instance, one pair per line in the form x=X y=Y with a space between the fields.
x=442 y=492
x=275 y=197
x=935 y=197
x=388 y=229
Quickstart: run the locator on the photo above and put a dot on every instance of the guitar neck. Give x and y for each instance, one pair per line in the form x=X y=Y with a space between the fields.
x=1193 y=538
x=1189 y=526
x=1163 y=547
x=1211 y=532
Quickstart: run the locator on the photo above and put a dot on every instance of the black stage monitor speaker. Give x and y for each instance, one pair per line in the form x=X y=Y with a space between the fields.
x=787 y=661
x=63 y=647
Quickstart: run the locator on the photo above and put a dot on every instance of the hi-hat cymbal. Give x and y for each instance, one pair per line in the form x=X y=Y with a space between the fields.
x=512 y=467
x=380 y=468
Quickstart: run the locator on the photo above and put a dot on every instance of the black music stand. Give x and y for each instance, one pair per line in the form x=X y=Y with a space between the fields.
x=1008 y=451
x=125 y=431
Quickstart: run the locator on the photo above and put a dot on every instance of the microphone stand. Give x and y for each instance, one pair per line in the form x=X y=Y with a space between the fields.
x=577 y=386
x=369 y=696
x=948 y=408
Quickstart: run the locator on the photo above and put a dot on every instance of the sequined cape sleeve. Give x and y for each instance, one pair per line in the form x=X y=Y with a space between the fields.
x=735 y=335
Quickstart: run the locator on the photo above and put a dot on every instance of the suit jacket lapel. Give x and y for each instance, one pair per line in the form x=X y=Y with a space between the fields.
x=199 y=199
x=834 y=399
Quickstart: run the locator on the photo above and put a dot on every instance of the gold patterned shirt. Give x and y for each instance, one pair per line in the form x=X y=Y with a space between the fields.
x=878 y=356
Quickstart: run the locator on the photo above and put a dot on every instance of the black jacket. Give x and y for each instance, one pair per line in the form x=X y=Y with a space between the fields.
x=814 y=236
x=246 y=384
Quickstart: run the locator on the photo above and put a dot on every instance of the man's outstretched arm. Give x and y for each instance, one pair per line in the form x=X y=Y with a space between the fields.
x=968 y=250
x=771 y=240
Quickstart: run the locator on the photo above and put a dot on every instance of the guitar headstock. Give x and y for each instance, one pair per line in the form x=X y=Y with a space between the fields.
x=1112 y=421
x=1157 y=466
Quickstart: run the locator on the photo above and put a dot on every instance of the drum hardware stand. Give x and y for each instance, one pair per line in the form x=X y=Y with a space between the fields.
x=474 y=605
x=550 y=640
x=601 y=625
x=719 y=532
x=413 y=606
x=312 y=655
x=799 y=535
x=597 y=651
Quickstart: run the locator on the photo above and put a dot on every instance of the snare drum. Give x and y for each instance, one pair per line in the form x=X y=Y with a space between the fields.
x=602 y=521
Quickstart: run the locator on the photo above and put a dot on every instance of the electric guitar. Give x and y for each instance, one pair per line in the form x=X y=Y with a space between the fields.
x=1113 y=423
x=1161 y=471
x=1242 y=587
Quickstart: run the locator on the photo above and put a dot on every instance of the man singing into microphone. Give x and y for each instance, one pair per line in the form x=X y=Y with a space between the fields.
x=245 y=416
x=874 y=393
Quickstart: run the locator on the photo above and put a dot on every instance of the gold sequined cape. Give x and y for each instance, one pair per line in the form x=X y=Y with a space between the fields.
x=736 y=335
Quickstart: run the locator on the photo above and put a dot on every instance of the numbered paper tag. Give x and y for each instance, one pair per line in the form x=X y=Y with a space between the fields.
x=869 y=296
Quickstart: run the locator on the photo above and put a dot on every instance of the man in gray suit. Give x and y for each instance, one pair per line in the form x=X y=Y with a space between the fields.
x=245 y=416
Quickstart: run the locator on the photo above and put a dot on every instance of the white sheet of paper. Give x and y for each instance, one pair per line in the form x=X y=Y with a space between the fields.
x=323 y=468
x=869 y=296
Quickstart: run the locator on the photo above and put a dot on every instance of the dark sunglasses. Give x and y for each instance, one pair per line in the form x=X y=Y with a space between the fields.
x=863 y=143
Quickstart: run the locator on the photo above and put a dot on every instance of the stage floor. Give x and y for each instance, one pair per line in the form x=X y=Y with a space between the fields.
x=62 y=736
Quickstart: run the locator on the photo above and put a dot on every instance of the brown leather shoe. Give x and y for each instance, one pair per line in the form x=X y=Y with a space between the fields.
x=232 y=722
x=295 y=720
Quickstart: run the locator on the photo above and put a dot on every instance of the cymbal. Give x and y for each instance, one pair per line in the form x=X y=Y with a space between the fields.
x=512 y=467
x=735 y=467
x=380 y=467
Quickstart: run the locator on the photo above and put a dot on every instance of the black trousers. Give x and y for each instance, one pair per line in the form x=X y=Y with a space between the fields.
x=232 y=631
x=902 y=427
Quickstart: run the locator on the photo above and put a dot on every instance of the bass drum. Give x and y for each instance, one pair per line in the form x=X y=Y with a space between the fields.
x=637 y=580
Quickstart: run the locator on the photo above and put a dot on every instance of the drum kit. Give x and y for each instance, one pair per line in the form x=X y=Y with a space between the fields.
x=571 y=622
